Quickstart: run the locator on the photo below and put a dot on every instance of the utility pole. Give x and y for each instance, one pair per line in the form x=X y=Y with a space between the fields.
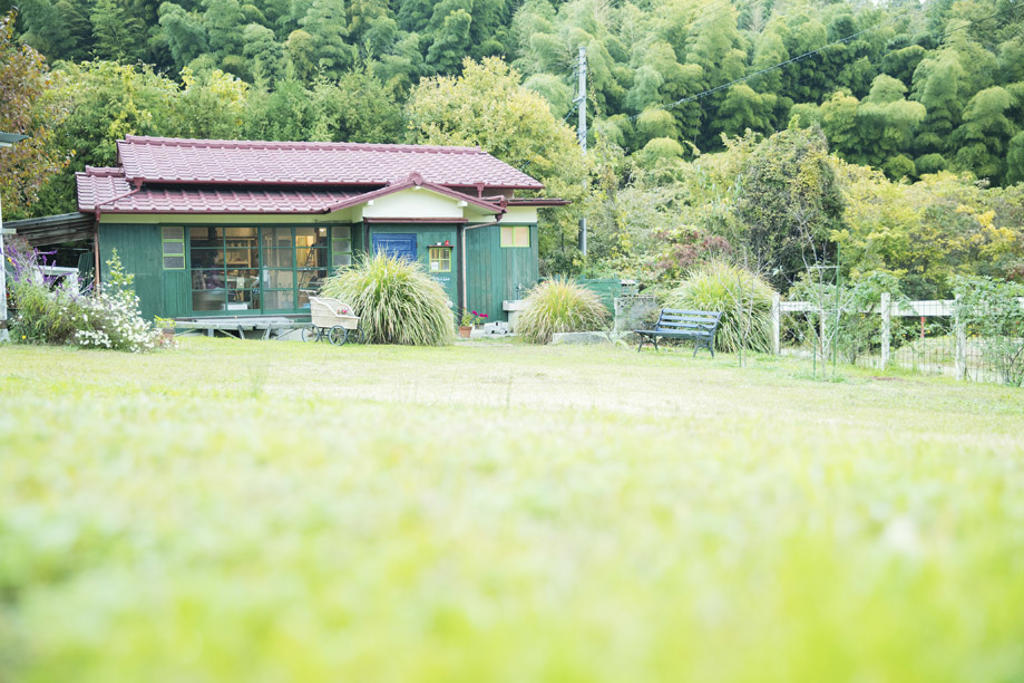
x=581 y=104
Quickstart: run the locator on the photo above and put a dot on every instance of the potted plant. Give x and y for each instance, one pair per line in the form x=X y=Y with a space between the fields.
x=470 y=319
x=466 y=325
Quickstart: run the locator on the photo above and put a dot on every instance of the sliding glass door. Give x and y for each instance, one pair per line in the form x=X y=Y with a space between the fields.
x=261 y=270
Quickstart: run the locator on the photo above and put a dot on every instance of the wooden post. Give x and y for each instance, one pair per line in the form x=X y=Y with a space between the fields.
x=776 y=323
x=886 y=333
x=4 y=334
x=822 y=341
x=959 y=342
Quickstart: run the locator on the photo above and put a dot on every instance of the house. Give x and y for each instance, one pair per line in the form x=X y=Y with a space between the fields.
x=248 y=228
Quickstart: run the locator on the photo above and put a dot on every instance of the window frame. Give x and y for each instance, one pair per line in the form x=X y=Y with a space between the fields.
x=444 y=254
x=514 y=232
x=165 y=240
x=262 y=267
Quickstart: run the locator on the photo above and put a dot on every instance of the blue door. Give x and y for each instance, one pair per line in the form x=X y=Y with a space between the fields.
x=399 y=245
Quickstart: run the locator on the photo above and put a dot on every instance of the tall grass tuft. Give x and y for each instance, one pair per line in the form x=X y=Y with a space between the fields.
x=559 y=305
x=744 y=298
x=396 y=301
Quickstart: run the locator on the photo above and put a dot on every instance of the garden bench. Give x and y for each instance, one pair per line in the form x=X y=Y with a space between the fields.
x=673 y=323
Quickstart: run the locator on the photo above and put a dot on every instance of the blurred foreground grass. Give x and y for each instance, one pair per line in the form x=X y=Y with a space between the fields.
x=286 y=512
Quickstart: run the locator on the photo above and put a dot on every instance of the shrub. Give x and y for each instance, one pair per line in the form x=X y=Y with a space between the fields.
x=859 y=330
x=42 y=316
x=62 y=315
x=396 y=301
x=559 y=305
x=744 y=298
x=992 y=309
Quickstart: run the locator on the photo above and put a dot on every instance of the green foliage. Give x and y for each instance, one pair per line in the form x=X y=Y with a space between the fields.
x=559 y=305
x=119 y=34
x=58 y=314
x=929 y=231
x=396 y=301
x=24 y=80
x=522 y=132
x=994 y=310
x=876 y=131
x=789 y=203
x=744 y=299
x=42 y=316
x=911 y=91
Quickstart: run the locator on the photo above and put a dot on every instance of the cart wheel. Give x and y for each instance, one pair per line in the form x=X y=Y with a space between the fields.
x=338 y=335
x=310 y=334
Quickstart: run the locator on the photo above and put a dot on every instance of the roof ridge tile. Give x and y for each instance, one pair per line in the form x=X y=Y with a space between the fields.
x=299 y=145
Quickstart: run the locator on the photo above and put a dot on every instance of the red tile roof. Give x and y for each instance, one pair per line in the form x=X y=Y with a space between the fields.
x=109 y=191
x=173 y=160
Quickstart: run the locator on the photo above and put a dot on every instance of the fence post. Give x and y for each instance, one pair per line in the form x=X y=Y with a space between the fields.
x=822 y=341
x=886 y=306
x=776 y=323
x=959 y=342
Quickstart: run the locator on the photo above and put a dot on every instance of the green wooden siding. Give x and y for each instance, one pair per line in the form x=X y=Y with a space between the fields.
x=140 y=250
x=492 y=272
x=496 y=273
x=521 y=268
x=177 y=299
x=427 y=235
x=485 y=277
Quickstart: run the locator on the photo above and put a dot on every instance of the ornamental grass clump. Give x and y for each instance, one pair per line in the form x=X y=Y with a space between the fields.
x=560 y=305
x=396 y=300
x=743 y=297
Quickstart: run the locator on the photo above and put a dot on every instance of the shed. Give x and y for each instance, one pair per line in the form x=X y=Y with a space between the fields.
x=247 y=228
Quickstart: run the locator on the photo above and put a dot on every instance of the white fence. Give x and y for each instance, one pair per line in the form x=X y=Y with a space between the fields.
x=887 y=309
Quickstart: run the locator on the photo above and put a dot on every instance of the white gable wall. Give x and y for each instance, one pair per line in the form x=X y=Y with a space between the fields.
x=520 y=214
x=413 y=203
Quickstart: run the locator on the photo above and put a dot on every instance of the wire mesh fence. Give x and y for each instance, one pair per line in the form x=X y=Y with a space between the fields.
x=932 y=337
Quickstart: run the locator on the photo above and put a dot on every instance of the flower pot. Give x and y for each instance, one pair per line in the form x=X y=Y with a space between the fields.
x=465 y=331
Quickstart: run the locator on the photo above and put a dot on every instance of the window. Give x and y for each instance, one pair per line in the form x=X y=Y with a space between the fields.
x=173 y=248
x=515 y=235
x=224 y=267
x=267 y=269
x=440 y=259
x=341 y=246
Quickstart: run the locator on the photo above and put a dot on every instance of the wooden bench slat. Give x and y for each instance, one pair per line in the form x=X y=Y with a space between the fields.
x=700 y=326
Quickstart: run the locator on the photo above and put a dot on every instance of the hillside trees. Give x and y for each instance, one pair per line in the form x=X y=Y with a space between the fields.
x=522 y=132
x=27 y=165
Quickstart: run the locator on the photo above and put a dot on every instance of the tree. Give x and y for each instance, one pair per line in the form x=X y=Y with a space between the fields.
x=265 y=54
x=358 y=108
x=983 y=137
x=59 y=29
x=327 y=23
x=186 y=34
x=23 y=80
x=790 y=204
x=119 y=34
x=488 y=106
x=877 y=130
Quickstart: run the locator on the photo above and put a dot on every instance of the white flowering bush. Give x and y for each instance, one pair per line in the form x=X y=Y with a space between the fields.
x=111 y=318
x=112 y=321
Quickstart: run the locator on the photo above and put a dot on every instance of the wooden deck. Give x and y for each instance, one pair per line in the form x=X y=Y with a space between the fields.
x=237 y=326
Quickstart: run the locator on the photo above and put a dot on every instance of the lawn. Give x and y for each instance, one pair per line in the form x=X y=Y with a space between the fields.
x=281 y=511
